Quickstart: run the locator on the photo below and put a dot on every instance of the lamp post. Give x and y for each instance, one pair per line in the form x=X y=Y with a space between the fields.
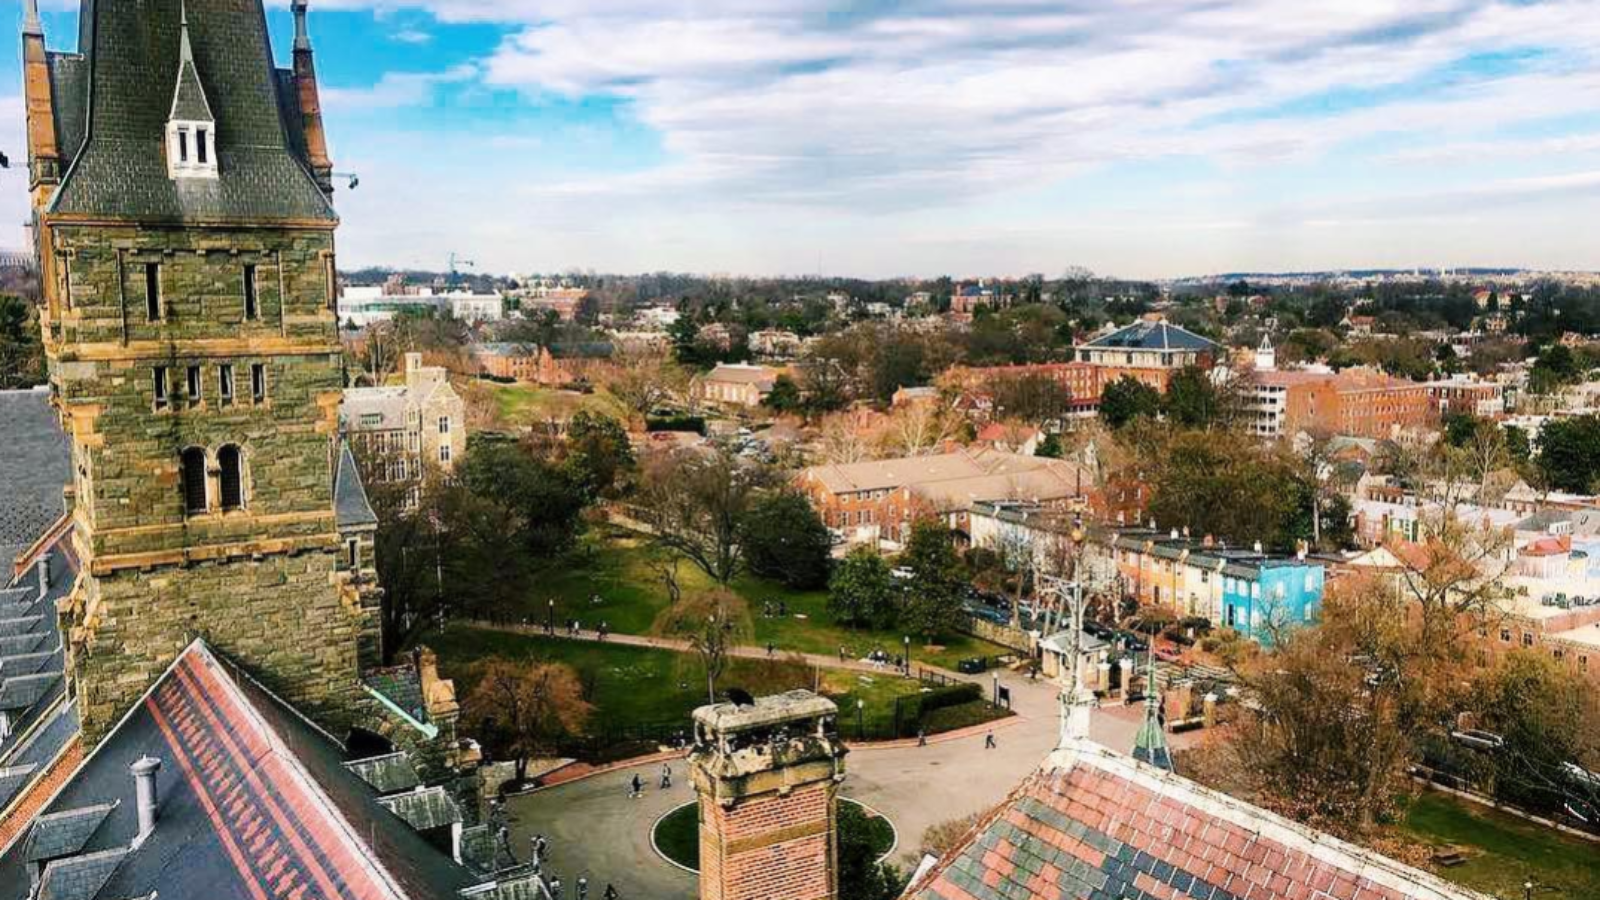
x=1074 y=698
x=907 y=657
x=550 y=618
x=861 y=719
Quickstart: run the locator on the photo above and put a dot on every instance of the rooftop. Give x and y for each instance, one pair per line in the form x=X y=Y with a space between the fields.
x=1144 y=335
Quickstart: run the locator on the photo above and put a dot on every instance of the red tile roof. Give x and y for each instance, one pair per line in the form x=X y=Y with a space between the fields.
x=1095 y=825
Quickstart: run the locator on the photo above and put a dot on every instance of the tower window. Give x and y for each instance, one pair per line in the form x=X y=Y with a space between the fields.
x=161 y=387
x=183 y=145
x=252 y=309
x=231 y=462
x=444 y=424
x=444 y=454
x=201 y=153
x=193 y=463
x=225 y=386
x=152 y=291
x=258 y=383
x=192 y=384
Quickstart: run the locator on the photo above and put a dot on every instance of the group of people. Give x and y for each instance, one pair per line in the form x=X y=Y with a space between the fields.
x=774 y=609
x=636 y=784
x=541 y=848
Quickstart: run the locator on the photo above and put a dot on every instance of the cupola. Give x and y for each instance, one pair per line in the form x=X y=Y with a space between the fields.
x=191 y=129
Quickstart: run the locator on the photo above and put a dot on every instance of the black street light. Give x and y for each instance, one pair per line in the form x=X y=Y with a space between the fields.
x=907 y=657
x=861 y=719
x=550 y=620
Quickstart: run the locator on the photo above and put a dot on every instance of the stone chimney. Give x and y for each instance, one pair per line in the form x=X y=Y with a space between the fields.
x=767 y=775
x=144 y=785
x=44 y=156
x=43 y=566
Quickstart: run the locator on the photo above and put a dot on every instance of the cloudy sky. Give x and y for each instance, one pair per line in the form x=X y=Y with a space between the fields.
x=893 y=137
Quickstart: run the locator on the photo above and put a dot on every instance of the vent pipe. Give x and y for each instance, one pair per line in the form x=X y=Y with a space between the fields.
x=144 y=784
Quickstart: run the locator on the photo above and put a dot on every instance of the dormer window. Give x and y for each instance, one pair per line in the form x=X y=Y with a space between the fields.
x=191 y=128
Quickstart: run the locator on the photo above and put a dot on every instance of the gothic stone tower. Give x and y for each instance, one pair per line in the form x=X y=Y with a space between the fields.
x=768 y=777
x=181 y=196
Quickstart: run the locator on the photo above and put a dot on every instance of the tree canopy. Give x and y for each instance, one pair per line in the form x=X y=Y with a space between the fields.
x=785 y=540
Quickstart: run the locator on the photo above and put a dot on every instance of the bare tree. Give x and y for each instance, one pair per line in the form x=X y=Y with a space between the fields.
x=695 y=503
x=918 y=430
x=665 y=568
x=524 y=710
x=644 y=380
x=713 y=624
x=847 y=438
x=1017 y=552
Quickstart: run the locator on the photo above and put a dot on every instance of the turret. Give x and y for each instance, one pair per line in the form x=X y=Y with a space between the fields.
x=305 y=81
x=44 y=155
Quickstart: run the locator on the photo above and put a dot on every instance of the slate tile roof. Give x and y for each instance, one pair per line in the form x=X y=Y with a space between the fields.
x=1092 y=824
x=255 y=802
x=351 y=507
x=1153 y=336
x=35 y=467
x=117 y=108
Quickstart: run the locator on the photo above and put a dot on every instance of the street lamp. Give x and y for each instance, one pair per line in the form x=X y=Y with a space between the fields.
x=907 y=639
x=550 y=620
x=861 y=719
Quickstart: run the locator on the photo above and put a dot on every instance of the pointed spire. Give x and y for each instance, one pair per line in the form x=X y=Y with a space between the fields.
x=1150 y=745
x=185 y=52
x=30 y=19
x=302 y=40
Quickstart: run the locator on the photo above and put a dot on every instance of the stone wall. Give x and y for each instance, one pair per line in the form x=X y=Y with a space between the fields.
x=281 y=617
x=1004 y=635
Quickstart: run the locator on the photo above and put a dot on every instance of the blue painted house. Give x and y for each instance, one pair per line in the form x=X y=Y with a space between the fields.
x=1262 y=591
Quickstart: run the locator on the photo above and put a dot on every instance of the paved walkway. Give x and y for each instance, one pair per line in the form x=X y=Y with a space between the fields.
x=597 y=831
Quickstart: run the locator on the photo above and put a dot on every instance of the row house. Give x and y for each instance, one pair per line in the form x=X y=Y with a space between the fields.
x=1486 y=399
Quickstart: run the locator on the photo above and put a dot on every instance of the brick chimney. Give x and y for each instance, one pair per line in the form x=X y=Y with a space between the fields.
x=767 y=775
x=305 y=82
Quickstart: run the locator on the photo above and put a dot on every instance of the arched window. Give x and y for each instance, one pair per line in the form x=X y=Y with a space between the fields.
x=231 y=462
x=193 y=461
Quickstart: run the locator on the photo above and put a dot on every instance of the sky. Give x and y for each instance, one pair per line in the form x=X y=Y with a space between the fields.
x=884 y=138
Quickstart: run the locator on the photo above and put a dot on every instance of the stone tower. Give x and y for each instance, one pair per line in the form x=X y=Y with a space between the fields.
x=767 y=776
x=183 y=221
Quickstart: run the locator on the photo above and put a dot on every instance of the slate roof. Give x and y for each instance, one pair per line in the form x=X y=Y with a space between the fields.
x=121 y=101
x=1152 y=336
x=374 y=408
x=1092 y=824
x=35 y=467
x=351 y=508
x=255 y=802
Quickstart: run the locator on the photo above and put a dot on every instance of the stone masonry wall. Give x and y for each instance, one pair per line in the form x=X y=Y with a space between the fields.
x=769 y=847
x=280 y=616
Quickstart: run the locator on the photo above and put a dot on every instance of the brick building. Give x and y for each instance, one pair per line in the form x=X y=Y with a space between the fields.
x=737 y=384
x=1355 y=402
x=533 y=364
x=879 y=500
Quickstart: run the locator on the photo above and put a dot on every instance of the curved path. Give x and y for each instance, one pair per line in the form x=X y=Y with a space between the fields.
x=597 y=831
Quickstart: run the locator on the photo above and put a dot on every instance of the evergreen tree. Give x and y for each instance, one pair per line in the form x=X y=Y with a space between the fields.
x=938 y=580
x=861 y=591
x=1127 y=399
x=785 y=540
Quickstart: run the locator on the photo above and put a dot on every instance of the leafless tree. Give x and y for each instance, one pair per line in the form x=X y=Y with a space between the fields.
x=695 y=502
x=713 y=624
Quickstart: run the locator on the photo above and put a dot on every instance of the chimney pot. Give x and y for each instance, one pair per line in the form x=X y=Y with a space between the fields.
x=144 y=781
x=44 y=574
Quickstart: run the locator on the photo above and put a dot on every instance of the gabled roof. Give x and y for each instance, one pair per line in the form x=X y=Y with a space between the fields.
x=1092 y=824
x=255 y=801
x=189 y=98
x=1152 y=336
x=35 y=467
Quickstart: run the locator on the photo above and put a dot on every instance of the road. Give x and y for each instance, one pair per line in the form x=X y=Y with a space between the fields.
x=598 y=832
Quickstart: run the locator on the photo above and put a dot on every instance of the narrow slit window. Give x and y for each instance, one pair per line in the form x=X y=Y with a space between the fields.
x=252 y=309
x=258 y=383
x=201 y=153
x=183 y=146
x=225 y=384
x=161 y=387
x=152 y=291
x=192 y=384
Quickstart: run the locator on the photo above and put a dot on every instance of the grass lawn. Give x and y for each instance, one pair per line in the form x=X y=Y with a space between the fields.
x=1504 y=851
x=612 y=565
x=525 y=404
x=633 y=685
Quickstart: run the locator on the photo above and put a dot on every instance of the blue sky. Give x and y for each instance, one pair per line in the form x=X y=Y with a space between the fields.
x=892 y=137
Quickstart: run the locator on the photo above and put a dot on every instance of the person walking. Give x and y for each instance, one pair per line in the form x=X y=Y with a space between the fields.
x=988 y=741
x=638 y=787
x=770 y=648
x=666 y=776
x=583 y=888
x=922 y=737
x=555 y=889
x=611 y=892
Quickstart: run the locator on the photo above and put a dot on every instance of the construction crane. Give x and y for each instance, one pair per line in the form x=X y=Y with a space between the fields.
x=456 y=262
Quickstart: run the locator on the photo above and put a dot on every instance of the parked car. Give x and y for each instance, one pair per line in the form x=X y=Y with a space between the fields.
x=1167 y=653
x=1100 y=630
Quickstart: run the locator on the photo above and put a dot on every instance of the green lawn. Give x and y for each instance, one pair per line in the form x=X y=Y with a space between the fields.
x=1504 y=851
x=612 y=566
x=631 y=685
x=526 y=404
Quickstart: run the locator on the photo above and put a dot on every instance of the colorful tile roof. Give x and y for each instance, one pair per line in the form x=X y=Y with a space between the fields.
x=1093 y=824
